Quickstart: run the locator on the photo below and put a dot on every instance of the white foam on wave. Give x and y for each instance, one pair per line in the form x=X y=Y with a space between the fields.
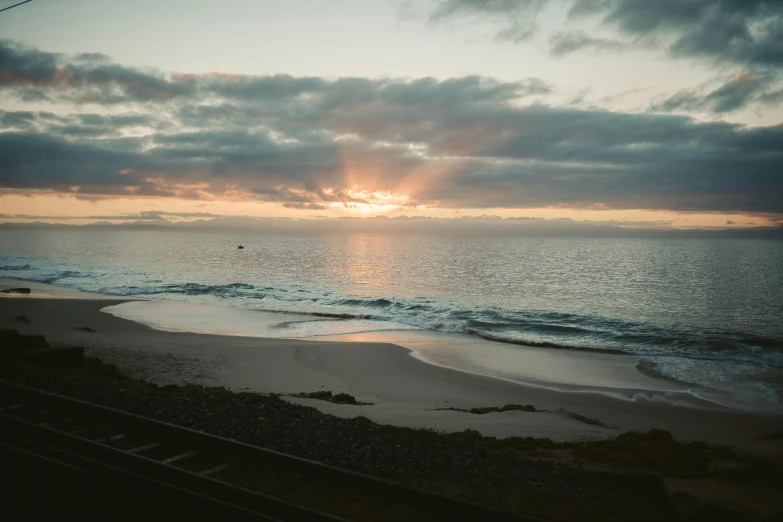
x=733 y=384
x=559 y=369
x=179 y=316
x=565 y=370
x=318 y=328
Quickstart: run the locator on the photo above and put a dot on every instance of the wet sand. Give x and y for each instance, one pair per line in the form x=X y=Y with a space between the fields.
x=404 y=389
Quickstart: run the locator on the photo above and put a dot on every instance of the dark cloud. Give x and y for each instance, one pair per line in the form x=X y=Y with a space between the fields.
x=38 y=160
x=568 y=42
x=97 y=80
x=85 y=124
x=22 y=65
x=772 y=97
x=46 y=76
x=305 y=206
x=467 y=142
x=724 y=31
x=533 y=86
x=735 y=93
x=517 y=18
x=738 y=31
x=345 y=93
x=19 y=119
x=92 y=58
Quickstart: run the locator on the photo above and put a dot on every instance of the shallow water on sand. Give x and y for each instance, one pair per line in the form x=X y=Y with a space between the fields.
x=707 y=314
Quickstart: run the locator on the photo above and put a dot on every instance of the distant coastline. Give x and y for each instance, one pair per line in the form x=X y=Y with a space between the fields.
x=464 y=226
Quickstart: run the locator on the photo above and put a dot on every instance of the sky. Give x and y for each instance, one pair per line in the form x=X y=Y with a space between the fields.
x=629 y=112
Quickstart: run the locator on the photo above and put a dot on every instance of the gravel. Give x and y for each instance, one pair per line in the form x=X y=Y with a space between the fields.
x=458 y=464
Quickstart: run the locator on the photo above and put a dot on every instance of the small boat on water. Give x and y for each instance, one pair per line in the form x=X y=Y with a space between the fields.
x=240 y=247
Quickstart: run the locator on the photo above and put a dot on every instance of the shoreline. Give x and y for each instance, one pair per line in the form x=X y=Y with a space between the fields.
x=561 y=369
x=535 y=366
x=403 y=390
x=622 y=374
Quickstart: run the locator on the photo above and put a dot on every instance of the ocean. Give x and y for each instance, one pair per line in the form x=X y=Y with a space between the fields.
x=705 y=313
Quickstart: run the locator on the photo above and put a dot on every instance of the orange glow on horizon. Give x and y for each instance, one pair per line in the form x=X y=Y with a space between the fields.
x=368 y=175
x=66 y=208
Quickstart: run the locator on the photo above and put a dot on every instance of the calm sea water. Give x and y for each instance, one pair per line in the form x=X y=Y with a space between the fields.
x=704 y=310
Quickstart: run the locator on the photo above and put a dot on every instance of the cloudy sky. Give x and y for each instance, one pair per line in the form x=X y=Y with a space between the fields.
x=666 y=113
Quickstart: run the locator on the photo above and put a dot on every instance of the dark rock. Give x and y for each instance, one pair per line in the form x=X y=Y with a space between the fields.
x=344 y=398
x=22 y=318
x=594 y=422
x=323 y=395
x=86 y=329
x=507 y=407
x=16 y=291
x=339 y=398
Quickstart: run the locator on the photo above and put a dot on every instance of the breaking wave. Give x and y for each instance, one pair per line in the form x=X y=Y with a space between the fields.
x=16 y=267
x=534 y=328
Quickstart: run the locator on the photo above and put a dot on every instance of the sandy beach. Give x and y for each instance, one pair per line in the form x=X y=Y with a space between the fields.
x=403 y=389
x=574 y=453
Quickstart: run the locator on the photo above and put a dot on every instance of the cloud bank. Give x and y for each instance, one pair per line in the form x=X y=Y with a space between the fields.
x=310 y=142
x=746 y=35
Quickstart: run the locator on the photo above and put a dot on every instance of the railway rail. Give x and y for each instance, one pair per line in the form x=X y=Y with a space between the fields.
x=233 y=480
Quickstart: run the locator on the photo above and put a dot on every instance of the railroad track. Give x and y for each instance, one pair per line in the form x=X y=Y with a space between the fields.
x=230 y=479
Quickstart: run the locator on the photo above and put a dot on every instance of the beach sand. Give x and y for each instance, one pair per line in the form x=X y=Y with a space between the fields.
x=404 y=389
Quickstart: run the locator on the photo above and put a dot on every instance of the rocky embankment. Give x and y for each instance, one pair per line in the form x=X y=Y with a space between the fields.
x=637 y=476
